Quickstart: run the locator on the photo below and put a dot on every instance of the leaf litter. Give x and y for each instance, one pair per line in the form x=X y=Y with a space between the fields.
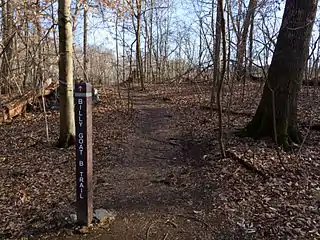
x=160 y=162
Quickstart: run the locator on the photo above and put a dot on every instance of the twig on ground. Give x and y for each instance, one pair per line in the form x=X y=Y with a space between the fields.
x=165 y=236
x=148 y=230
x=172 y=223
x=247 y=165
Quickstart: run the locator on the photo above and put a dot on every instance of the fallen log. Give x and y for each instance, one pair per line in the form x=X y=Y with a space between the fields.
x=18 y=104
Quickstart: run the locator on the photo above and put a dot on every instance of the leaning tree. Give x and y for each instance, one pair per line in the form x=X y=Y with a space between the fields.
x=276 y=115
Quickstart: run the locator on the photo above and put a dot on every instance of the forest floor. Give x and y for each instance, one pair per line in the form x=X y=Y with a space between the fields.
x=158 y=168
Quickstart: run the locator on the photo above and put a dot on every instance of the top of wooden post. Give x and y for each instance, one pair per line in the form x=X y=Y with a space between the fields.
x=83 y=89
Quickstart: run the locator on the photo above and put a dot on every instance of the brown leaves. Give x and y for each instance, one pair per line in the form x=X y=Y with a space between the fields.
x=283 y=205
x=37 y=180
x=161 y=159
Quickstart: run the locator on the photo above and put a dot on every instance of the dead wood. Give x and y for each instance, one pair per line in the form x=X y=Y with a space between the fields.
x=246 y=164
x=16 y=106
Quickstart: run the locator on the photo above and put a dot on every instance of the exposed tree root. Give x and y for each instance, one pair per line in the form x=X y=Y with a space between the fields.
x=66 y=142
x=283 y=135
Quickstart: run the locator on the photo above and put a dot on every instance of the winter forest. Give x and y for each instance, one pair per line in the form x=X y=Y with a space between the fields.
x=205 y=119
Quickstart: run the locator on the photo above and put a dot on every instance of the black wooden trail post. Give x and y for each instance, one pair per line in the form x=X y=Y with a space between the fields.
x=83 y=121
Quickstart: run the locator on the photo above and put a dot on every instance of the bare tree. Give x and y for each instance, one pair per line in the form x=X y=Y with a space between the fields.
x=242 y=42
x=220 y=33
x=8 y=39
x=85 y=41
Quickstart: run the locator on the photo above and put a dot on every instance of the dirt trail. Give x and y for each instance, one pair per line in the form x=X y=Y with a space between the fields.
x=154 y=190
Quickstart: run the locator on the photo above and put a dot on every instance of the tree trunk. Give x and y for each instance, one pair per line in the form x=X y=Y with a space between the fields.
x=85 y=35
x=216 y=60
x=220 y=30
x=278 y=104
x=241 y=50
x=138 y=51
x=146 y=43
x=67 y=125
x=251 y=33
x=39 y=76
x=117 y=56
x=7 y=33
x=26 y=60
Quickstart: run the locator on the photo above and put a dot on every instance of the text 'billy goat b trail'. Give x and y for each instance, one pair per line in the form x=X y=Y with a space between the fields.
x=83 y=121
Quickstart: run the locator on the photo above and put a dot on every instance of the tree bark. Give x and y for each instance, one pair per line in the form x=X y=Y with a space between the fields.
x=221 y=33
x=138 y=43
x=85 y=36
x=26 y=60
x=67 y=124
x=276 y=115
x=242 y=42
x=216 y=60
x=150 y=42
x=251 y=33
x=8 y=39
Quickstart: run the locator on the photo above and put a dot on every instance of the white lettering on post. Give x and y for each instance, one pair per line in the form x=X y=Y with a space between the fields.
x=81 y=142
x=80 y=120
x=81 y=147
x=81 y=185
x=81 y=193
x=80 y=102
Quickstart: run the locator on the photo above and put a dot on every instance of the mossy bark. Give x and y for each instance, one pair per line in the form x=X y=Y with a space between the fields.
x=276 y=116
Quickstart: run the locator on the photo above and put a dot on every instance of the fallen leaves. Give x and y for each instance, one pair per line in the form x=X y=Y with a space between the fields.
x=37 y=180
x=180 y=139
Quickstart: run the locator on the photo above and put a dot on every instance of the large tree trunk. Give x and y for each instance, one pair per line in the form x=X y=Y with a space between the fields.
x=67 y=125
x=276 y=115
